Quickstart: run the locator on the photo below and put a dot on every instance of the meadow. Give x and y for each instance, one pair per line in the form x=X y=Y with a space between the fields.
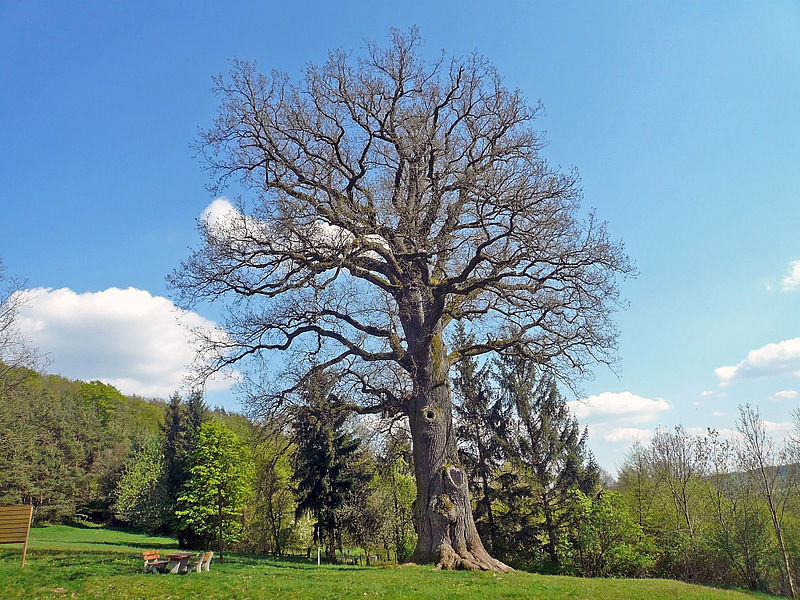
x=83 y=563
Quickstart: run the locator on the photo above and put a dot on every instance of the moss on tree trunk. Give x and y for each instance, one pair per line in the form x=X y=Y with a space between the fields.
x=446 y=533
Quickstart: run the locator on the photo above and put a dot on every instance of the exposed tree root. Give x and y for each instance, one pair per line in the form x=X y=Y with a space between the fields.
x=479 y=560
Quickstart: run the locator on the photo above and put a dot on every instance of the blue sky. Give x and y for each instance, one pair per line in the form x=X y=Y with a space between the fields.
x=682 y=119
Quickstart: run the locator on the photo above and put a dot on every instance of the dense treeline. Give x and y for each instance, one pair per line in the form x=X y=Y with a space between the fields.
x=64 y=444
x=539 y=501
x=703 y=508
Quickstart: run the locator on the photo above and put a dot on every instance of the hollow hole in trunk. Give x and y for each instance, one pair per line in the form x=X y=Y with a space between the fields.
x=456 y=477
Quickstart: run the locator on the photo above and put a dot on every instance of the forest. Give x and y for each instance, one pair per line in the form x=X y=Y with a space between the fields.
x=697 y=507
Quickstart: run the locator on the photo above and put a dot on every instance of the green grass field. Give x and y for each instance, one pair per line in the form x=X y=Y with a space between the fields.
x=70 y=562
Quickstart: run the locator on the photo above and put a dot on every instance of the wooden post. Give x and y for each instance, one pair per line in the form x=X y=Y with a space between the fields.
x=15 y=526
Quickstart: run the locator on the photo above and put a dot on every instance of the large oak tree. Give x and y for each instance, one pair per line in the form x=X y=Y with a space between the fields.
x=388 y=196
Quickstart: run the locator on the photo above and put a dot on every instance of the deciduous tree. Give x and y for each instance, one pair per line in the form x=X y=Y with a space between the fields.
x=393 y=196
x=15 y=349
x=764 y=463
x=219 y=480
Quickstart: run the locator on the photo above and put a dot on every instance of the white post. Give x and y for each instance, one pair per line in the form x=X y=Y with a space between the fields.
x=318 y=555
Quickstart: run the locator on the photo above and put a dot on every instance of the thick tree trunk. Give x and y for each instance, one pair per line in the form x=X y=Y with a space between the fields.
x=446 y=533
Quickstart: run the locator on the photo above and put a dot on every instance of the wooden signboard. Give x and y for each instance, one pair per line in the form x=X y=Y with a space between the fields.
x=15 y=524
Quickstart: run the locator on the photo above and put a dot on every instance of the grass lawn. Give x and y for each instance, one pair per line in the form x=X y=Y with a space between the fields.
x=70 y=562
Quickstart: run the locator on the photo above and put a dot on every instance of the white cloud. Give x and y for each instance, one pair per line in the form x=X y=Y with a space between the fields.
x=219 y=214
x=773 y=359
x=725 y=374
x=624 y=408
x=126 y=337
x=719 y=413
x=706 y=393
x=772 y=427
x=616 y=417
x=792 y=279
x=783 y=395
x=626 y=434
x=225 y=221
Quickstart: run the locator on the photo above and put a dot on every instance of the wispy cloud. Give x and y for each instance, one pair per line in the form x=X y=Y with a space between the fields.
x=792 y=279
x=126 y=337
x=783 y=395
x=628 y=435
x=781 y=428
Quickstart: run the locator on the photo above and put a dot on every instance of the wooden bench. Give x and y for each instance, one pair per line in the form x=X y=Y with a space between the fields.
x=199 y=563
x=153 y=562
x=15 y=526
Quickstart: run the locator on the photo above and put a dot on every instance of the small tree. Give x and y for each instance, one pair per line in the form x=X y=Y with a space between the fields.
x=607 y=540
x=325 y=450
x=269 y=516
x=140 y=495
x=635 y=481
x=762 y=462
x=219 y=480
x=740 y=526
x=678 y=459
x=396 y=482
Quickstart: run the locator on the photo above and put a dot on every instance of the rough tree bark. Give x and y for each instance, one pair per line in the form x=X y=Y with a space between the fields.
x=446 y=532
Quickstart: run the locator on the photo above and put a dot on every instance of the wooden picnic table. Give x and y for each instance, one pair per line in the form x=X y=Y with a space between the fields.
x=178 y=560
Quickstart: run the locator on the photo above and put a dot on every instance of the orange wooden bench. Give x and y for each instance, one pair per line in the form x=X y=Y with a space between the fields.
x=15 y=525
x=153 y=563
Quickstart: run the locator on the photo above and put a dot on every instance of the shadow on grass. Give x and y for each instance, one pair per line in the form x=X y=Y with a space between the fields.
x=123 y=545
x=285 y=562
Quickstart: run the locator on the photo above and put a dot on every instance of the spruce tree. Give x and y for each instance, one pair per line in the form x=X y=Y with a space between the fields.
x=547 y=445
x=181 y=426
x=325 y=451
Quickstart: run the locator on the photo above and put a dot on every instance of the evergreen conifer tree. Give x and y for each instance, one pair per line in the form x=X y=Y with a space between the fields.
x=480 y=420
x=325 y=452
x=547 y=445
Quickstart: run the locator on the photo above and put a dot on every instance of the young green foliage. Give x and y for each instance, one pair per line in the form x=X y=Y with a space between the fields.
x=218 y=484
